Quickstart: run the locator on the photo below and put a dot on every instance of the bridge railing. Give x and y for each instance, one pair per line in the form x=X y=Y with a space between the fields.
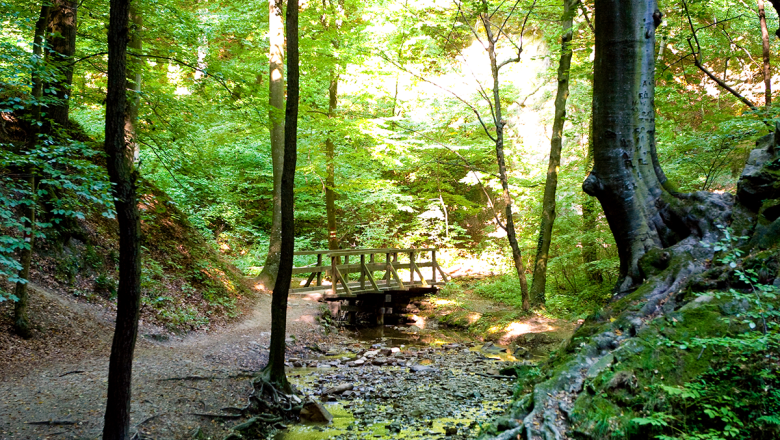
x=366 y=262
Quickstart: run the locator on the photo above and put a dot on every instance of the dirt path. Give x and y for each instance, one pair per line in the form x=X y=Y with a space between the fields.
x=55 y=386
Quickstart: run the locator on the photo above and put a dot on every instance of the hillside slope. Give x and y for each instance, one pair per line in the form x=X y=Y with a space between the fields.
x=693 y=353
x=186 y=284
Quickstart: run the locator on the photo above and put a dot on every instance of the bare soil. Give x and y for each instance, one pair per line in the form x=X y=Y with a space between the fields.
x=54 y=385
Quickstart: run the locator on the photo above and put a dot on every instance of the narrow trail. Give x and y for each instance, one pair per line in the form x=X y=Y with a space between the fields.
x=63 y=395
x=406 y=382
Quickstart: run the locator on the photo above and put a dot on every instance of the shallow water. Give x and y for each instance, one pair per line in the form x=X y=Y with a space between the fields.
x=377 y=415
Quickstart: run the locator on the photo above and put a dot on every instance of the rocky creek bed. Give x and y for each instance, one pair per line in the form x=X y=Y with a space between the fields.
x=394 y=383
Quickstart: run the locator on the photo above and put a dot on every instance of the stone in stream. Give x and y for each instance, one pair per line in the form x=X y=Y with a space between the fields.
x=521 y=352
x=339 y=389
x=492 y=348
x=421 y=368
x=315 y=412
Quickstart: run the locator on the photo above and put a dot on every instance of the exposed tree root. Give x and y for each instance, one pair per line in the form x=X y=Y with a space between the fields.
x=269 y=406
x=547 y=412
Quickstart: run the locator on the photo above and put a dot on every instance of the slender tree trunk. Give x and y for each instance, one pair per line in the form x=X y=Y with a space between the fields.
x=626 y=177
x=276 y=118
x=765 y=45
x=134 y=77
x=556 y=144
x=61 y=48
x=21 y=319
x=517 y=255
x=120 y=171
x=330 y=178
x=38 y=64
x=275 y=368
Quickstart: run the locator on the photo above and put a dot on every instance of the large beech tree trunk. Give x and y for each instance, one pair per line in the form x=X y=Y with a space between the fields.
x=659 y=232
x=556 y=144
x=61 y=48
x=119 y=162
x=275 y=368
x=276 y=118
x=626 y=177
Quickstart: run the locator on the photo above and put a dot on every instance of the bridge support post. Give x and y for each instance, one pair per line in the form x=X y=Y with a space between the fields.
x=351 y=314
x=319 y=273
x=411 y=269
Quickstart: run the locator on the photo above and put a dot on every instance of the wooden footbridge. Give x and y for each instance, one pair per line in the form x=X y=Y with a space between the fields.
x=367 y=280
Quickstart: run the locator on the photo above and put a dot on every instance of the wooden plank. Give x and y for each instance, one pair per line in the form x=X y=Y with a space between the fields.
x=370 y=279
x=363 y=271
x=411 y=268
x=310 y=252
x=311 y=277
x=397 y=278
x=308 y=269
x=319 y=274
x=422 y=278
x=341 y=253
x=433 y=269
x=343 y=283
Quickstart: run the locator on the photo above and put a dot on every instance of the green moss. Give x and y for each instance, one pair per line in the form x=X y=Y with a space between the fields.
x=594 y=416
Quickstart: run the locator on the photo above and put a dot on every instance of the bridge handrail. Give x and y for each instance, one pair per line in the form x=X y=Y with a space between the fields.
x=339 y=271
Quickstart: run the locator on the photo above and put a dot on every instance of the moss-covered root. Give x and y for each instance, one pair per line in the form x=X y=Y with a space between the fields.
x=548 y=412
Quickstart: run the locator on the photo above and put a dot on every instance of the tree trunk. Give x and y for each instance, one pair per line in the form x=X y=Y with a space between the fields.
x=35 y=77
x=517 y=256
x=134 y=77
x=556 y=144
x=589 y=214
x=765 y=45
x=624 y=177
x=120 y=171
x=330 y=178
x=21 y=321
x=61 y=48
x=275 y=368
x=276 y=118
x=640 y=205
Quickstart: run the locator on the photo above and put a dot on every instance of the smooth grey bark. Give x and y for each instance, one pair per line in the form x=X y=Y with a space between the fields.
x=276 y=119
x=119 y=162
x=539 y=282
x=330 y=178
x=60 y=50
x=274 y=371
x=589 y=216
x=625 y=177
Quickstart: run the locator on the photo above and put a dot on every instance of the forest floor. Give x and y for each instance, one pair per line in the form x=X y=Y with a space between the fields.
x=410 y=381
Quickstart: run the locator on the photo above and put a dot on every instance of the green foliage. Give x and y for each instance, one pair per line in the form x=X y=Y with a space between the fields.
x=505 y=289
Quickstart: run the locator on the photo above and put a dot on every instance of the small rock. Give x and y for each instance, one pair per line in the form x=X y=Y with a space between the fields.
x=421 y=368
x=315 y=412
x=450 y=430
